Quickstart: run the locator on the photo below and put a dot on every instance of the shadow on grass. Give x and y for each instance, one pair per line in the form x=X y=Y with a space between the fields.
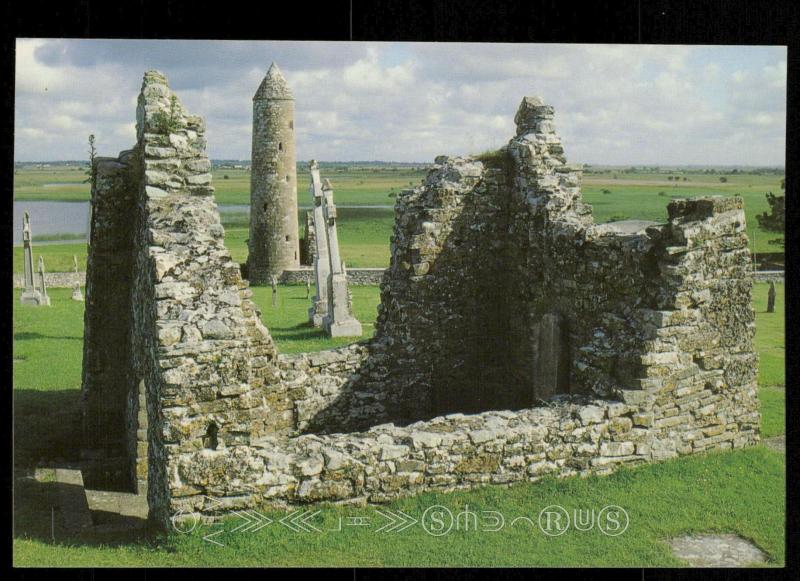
x=298 y=333
x=38 y=515
x=47 y=433
x=26 y=336
x=47 y=426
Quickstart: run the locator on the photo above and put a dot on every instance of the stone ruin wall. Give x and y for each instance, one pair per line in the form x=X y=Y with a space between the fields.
x=646 y=329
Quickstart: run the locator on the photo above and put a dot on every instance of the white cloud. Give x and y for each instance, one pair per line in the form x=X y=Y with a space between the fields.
x=413 y=101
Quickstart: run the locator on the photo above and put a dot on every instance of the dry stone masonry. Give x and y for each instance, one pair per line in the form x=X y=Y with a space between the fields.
x=515 y=338
x=274 y=238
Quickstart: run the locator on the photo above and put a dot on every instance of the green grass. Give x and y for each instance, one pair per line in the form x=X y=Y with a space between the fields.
x=773 y=410
x=57 y=257
x=48 y=343
x=711 y=492
x=643 y=202
x=363 y=238
x=364 y=233
x=56 y=184
x=360 y=187
x=770 y=334
x=288 y=320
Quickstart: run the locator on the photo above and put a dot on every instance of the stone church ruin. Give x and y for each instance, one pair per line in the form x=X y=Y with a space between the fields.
x=515 y=338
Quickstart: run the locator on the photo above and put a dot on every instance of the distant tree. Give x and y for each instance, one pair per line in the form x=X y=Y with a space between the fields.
x=775 y=219
x=605 y=192
x=225 y=177
x=92 y=156
x=723 y=179
x=685 y=178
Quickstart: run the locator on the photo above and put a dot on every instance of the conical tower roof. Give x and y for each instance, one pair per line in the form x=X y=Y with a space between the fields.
x=273 y=86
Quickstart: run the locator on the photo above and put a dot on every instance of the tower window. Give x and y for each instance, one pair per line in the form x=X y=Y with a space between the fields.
x=287 y=178
x=287 y=238
x=291 y=124
x=280 y=146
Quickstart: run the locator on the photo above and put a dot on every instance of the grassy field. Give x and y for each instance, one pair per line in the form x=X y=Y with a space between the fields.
x=713 y=492
x=362 y=187
x=363 y=238
x=288 y=320
x=364 y=232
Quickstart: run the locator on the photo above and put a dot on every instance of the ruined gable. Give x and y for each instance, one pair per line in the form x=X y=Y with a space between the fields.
x=515 y=337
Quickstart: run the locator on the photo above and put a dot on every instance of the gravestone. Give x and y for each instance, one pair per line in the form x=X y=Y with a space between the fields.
x=319 y=307
x=77 y=295
x=30 y=296
x=274 y=282
x=43 y=299
x=339 y=321
x=771 y=298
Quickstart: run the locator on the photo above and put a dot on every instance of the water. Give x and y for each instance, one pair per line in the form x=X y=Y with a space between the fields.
x=52 y=218
x=59 y=184
x=73 y=218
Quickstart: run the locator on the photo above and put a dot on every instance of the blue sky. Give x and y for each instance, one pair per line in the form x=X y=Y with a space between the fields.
x=615 y=104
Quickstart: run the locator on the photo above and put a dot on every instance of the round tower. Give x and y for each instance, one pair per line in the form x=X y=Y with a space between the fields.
x=274 y=240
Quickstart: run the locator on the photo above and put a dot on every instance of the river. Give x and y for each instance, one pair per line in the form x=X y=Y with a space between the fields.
x=48 y=218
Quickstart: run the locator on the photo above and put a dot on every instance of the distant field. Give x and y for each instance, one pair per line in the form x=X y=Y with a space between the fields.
x=364 y=233
x=645 y=196
x=362 y=187
x=363 y=236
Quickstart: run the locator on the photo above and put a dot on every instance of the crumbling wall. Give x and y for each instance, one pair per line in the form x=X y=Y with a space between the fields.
x=515 y=338
x=441 y=289
x=108 y=430
x=197 y=346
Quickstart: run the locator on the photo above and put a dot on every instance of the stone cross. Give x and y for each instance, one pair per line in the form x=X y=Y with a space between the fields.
x=30 y=295
x=319 y=307
x=44 y=300
x=339 y=321
x=77 y=295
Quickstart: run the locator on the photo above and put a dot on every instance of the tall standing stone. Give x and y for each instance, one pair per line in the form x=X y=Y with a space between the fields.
x=30 y=296
x=322 y=267
x=274 y=238
x=44 y=299
x=77 y=295
x=339 y=321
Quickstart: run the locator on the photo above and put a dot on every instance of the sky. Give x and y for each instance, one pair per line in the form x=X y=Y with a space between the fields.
x=615 y=104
